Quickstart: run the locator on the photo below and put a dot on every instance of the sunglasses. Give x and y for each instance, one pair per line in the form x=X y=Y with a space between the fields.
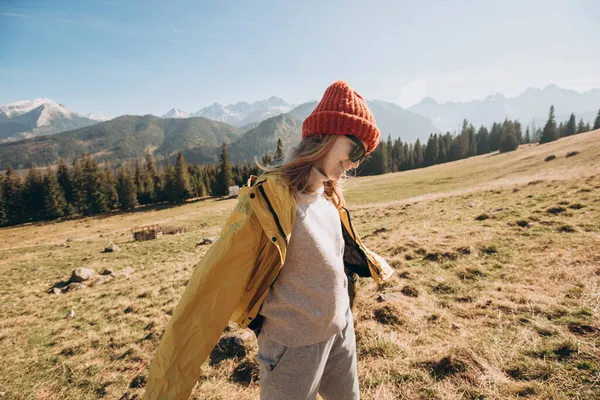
x=358 y=152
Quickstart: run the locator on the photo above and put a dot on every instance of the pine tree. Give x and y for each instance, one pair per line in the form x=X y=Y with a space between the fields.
x=389 y=147
x=443 y=152
x=597 y=121
x=126 y=188
x=54 y=197
x=96 y=200
x=509 y=141
x=527 y=136
x=78 y=184
x=432 y=150
x=460 y=147
x=3 y=219
x=571 y=128
x=138 y=178
x=109 y=184
x=33 y=194
x=13 y=192
x=398 y=155
x=279 y=150
x=483 y=140
x=550 y=132
x=472 y=141
x=182 y=189
x=157 y=188
x=581 y=126
x=63 y=175
x=419 y=158
x=225 y=177
x=495 y=136
x=562 y=131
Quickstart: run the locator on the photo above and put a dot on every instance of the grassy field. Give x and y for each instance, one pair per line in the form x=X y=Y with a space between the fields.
x=496 y=295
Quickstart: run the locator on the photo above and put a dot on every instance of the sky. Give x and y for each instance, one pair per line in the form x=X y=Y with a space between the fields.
x=145 y=57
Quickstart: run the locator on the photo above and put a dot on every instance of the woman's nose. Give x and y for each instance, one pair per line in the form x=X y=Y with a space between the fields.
x=352 y=165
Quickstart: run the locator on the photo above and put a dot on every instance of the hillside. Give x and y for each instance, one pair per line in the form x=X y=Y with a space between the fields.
x=122 y=138
x=494 y=296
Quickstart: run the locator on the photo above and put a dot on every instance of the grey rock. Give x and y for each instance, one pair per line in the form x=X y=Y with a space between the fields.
x=111 y=247
x=82 y=274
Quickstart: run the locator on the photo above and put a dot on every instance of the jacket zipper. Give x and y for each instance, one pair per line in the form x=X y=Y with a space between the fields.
x=281 y=232
x=262 y=191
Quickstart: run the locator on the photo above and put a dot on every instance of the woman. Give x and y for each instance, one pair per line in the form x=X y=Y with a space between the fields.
x=284 y=265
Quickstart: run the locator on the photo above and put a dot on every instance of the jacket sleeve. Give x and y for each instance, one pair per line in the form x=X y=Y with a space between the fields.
x=213 y=291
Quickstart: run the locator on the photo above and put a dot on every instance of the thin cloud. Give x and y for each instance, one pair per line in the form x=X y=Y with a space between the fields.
x=13 y=15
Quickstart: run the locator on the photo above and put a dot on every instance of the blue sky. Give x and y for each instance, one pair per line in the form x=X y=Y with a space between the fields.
x=138 y=57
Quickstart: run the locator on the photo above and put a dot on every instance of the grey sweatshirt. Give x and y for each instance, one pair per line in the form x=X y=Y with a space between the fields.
x=308 y=302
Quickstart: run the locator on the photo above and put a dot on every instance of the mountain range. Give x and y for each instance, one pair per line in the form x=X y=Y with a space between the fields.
x=38 y=117
x=529 y=107
x=239 y=114
x=250 y=129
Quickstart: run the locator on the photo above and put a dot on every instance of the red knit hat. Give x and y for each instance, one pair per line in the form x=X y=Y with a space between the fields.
x=342 y=111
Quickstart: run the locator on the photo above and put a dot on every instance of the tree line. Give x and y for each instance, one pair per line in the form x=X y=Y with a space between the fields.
x=395 y=155
x=85 y=187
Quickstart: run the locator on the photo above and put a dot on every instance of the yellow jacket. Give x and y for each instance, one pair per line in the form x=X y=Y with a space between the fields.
x=231 y=281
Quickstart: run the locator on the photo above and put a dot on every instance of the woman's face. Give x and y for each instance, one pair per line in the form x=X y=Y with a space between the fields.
x=337 y=160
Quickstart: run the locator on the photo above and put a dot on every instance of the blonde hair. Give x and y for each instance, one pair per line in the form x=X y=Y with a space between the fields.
x=297 y=165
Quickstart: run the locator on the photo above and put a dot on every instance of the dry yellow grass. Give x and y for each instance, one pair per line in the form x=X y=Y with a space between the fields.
x=496 y=294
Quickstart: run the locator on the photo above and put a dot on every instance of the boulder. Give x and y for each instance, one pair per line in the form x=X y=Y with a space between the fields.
x=111 y=247
x=82 y=274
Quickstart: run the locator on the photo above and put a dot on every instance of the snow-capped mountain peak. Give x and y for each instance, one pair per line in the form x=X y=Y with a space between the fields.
x=37 y=117
x=18 y=108
x=176 y=113
x=97 y=117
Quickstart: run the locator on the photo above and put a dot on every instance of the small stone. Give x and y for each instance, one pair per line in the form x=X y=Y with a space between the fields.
x=55 y=290
x=111 y=247
x=550 y=157
x=456 y=325
x=71 y=314
x=82 y=274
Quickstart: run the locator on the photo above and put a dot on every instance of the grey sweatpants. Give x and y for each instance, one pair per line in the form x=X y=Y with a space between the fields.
x=299 y=373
